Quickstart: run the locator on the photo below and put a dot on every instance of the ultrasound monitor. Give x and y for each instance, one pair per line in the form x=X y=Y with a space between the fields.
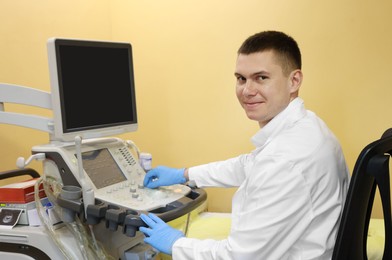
x=92 y=86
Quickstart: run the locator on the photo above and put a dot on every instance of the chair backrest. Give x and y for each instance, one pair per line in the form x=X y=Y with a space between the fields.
x=371 y=171
x=19 y=172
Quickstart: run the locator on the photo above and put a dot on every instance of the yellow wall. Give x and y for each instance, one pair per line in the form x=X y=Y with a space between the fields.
x=184 y=54
x=25 y=27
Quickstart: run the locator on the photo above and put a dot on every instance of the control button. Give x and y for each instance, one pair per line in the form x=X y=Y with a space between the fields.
x=132 y=189
x=135 y=195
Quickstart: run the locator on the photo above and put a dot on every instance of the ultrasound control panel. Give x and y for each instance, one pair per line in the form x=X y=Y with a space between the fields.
x=115 y=174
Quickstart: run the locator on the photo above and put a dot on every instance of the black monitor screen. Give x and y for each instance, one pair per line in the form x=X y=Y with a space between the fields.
x=96 y=84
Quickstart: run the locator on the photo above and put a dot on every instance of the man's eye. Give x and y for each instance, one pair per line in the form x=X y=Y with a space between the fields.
x=261 y=77
x=241 y=79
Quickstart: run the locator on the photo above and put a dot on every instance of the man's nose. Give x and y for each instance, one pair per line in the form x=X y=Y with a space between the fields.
x=249 y=88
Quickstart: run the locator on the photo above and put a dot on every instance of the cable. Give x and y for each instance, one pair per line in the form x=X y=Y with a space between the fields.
x=134 y=147
x=85 y=239
x=48 y=226
x=187 y=224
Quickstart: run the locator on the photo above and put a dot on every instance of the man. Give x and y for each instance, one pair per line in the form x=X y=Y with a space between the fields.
x=291 y=188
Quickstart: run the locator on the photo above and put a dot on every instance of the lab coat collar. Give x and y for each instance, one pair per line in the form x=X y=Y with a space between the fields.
x=292 y=113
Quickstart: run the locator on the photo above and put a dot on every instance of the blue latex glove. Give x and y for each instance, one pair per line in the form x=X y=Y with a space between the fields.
x=163 y=176
x=160 y=235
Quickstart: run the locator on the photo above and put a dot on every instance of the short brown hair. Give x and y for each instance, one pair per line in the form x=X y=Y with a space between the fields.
x=285 y=47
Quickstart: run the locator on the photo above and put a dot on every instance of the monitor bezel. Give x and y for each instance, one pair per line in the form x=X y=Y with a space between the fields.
x=61 y=134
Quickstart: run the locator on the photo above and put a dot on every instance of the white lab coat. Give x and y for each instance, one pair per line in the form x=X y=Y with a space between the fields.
x=291 y=192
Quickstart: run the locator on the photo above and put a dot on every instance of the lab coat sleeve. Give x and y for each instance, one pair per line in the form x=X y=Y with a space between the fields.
x=271 y=210
x=228 y=173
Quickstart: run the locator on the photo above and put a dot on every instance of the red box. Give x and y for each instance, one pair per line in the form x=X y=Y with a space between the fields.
x=21 y=192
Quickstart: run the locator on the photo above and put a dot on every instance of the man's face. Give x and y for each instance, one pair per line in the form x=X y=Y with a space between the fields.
x=262 y=88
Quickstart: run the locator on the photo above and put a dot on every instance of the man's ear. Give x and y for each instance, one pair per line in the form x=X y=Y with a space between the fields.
x=295 y=80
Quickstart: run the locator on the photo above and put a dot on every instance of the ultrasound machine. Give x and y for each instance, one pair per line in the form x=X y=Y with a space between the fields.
x=93 y=181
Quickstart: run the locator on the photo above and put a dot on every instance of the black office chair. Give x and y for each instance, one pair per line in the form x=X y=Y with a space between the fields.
x=371 y=170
